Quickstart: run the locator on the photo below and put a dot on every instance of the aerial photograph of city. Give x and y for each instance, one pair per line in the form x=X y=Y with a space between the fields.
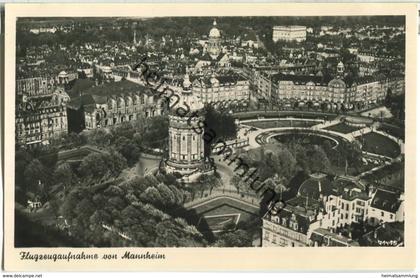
x=251 y=131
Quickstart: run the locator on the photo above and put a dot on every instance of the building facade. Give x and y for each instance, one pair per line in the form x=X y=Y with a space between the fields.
x=33 y=87
x=291 y=225
x=222 y=89
x=112 y=104
x=40 y=117
x=385 y=206
x=288 y=88
x=289 y=33
x=324 y=207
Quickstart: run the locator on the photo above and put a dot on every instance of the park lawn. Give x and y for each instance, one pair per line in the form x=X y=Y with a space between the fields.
x=281 y=123
x=394 y=131
x=342 y=128
x=376 y=143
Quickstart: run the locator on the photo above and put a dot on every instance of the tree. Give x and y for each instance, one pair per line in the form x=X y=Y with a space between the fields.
x=318 y=160
x=126 y=129
x=236 y=180
x=221 y=125
x=276 y=184
x=156 y=132
x=93 y=166
x=238 y=238
x=64 y=174
x=36 y=173
x=152 y=195
x=99 y=137
x=168 y=197
x=207 y=182
x=22 y=159
x=116 y=163
x=127 y=148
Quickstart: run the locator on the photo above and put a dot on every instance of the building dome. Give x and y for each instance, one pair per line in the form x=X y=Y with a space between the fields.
x=337 y=83
x=62 y=74
x=186 y=83
x=214 y=32
x=213 y=79
x=340 y=67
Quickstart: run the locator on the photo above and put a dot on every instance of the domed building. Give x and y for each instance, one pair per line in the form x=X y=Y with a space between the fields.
x=213 y=55
x=214 y=43
x=340 y=68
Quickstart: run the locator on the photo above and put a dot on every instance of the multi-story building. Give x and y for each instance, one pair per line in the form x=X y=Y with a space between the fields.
x=385 y=206
x=33 y=87
x=288 y=88
x=289 y=33
x=40 y=118
x=386 y=234
x=324 y=237
x=264 y=86
x=326 y=205
x=111 y=104
x=345 y=201
x=221 y=89
x=292 y=224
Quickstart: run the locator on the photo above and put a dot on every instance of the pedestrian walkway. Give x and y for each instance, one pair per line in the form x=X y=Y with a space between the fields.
x=254 y=142
x=217 y=193
x=326 y=124
x=361 y=131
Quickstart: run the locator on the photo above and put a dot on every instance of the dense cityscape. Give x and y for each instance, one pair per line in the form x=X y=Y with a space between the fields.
x=210 y=132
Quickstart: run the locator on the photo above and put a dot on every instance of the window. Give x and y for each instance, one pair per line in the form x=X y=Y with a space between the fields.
x=391 y=216
x=283 y=221
x=382 y=213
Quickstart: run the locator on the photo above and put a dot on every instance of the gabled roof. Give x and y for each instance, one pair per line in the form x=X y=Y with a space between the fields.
x=301 y=79
x=100 y=94
x=327 y=238
x=386 y=200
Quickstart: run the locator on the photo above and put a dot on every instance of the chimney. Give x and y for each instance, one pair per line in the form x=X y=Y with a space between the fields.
x=320 y=189
x=371 y=188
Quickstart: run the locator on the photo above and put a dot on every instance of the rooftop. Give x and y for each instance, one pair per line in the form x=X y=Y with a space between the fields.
x=386 y=200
